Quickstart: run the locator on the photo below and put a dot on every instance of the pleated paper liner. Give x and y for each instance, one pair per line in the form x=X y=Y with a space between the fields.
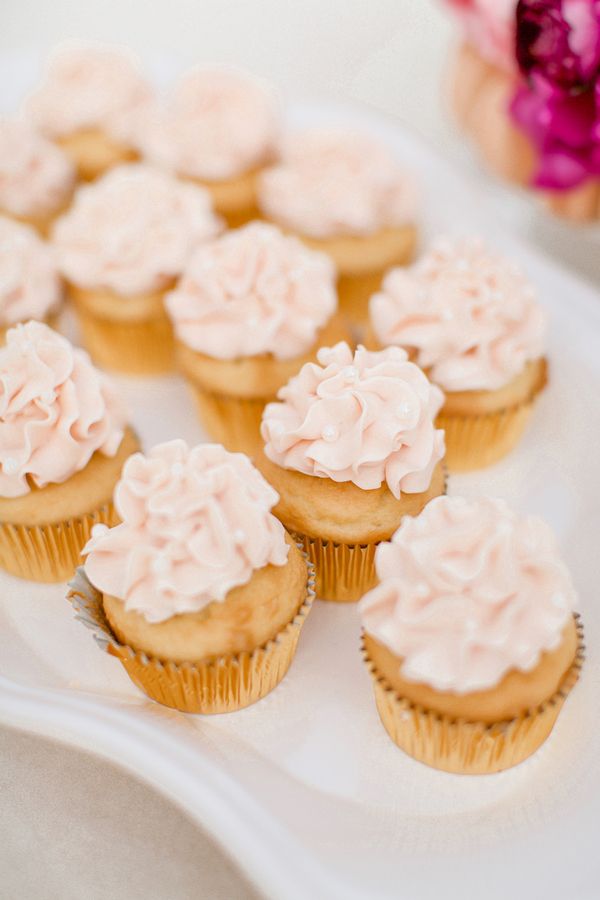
x=224 y=685
x=469 y=748
x=474 y=442
x=49 y=552
x=344 y=571
x=146 y=347
x=231 y=421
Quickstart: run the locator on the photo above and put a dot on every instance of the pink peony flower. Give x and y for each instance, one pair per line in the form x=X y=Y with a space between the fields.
x=558 y=105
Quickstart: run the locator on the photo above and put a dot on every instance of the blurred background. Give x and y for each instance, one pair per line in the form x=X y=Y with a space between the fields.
x=389 y=55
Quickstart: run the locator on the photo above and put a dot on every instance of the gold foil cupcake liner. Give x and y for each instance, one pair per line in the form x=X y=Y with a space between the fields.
x=49 y=552
x=232 y=421
x=144 y=347
x=463 y=747
x=227 y=684
x=477 y=441
x=344 y=572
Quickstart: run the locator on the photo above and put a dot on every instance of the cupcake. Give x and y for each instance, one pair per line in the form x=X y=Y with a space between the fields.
x=471 y=320
x=344 y=193
x=351 y=449
x=219 y=128
x=251 y=308
x=89 y=103
x=30 y=287
x=120 y=247
x=470 y=635
x=198 y=591
x=36 y=177
x=63 y=441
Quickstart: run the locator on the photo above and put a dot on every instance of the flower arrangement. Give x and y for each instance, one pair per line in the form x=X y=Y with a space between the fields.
x=548 y=52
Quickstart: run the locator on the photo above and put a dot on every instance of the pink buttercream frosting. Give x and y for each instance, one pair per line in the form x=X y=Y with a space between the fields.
x=56 y=410
x=469 y=591
x=470 y=316
x=36 y=177
x=133 y=230
x=195 y=524
x=361 y=417
x=253 y=291
x=217 y=124
x=30 y=287
x=89 y=86
x=490 y=27
x=333 y=182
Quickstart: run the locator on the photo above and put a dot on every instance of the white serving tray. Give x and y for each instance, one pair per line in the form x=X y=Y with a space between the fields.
x=305 y=790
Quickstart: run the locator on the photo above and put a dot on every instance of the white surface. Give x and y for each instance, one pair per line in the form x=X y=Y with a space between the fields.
x=305 y=789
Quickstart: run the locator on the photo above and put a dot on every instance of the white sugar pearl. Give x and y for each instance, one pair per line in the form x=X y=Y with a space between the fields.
x=239 y=536
x=329 y=433
x=349 y=373
x=404 y=410
x=10 y=466
x=422 y=590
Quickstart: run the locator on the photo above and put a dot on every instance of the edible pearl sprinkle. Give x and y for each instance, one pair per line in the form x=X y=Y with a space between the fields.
x=349 y=373
x=404 y=410
x=239 y=536
x=10 y=466
x=329 y=433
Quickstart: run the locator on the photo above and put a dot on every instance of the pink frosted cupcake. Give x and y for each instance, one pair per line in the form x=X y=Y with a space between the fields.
x=88 y=103
x=203 y=591
x=343 y=193
x=470 y=635
x=219 y=128
x=252 y=307
x=36 y=177
x=121 y=246
x=470 y=318
x=30 y=287
x=63 y=441
x=352 y=448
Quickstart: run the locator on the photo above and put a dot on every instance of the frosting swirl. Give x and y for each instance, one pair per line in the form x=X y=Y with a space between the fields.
x=332 y=182
x=133 y=230
x=468 y=591
x=30 y=287
x=361 y=417
x=89 y=86
x=36 y=177
x=253 y=291
x=195 y=523
x=56 y=410
x=470 y=315
x=217 y=124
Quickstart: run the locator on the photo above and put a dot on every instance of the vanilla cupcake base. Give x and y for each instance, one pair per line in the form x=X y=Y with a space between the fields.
x=231 y=421
x=346 y=571
x=93 y=152
x=131 y=335
x=234 y=198
x=226 y=684
x=477 y=437
x=50 y=552
x=463 y=747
